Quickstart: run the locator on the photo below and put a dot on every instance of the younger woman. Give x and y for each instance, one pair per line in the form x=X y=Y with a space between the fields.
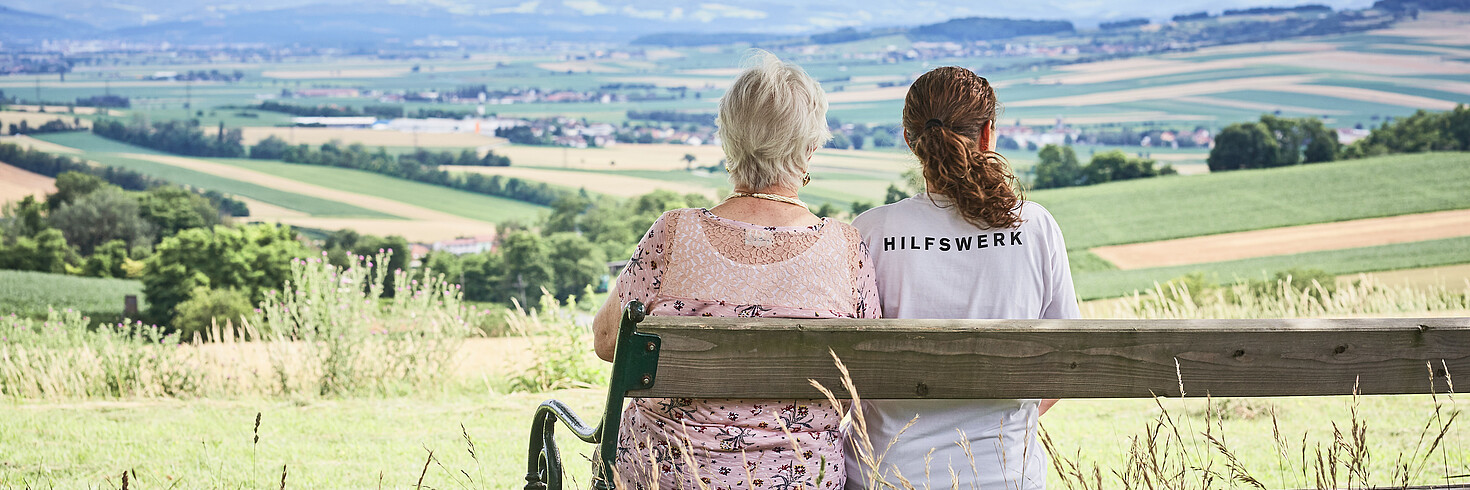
x=970 y=247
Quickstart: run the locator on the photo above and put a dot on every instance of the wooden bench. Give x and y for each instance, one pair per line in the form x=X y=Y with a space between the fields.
x=1002 y=359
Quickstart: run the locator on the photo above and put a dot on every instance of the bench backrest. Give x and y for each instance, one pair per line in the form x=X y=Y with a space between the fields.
x=1007 y=359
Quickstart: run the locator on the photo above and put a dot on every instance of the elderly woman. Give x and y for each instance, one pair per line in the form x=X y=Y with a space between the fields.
x=758 y=253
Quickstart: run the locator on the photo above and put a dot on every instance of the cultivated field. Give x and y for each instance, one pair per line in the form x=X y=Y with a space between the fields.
x=16 y=184
x=1165 y=208
x=31 y=293
x=1289 y=240
x=619 y=157
x=369 y=137
x=600 y=182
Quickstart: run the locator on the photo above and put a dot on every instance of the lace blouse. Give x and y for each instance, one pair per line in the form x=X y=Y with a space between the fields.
x=694 y=263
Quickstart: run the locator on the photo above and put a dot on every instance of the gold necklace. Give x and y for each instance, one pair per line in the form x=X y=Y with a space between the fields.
x=769 y=197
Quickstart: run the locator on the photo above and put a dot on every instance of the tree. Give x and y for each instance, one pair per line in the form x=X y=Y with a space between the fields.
x=894 y=194
x=73 y=185
x=102 y=216
x=252 y=259
x=1057 y=167
x=839 y=141
x=23 y=218
x=1242 y=146
x=270 y=148
x=575 y=264
x=172 y=209
x=526 y=267
x=1289 y=140
x=45 y=252
x=1322 y=145
x=884 y=139
x=688 y=162
x=107 y=260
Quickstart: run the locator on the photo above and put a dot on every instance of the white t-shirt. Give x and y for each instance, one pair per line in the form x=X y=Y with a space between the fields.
x=931 y=263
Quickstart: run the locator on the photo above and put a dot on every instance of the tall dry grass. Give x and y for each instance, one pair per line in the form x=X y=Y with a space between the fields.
x=330 y=331
x=1365 y=296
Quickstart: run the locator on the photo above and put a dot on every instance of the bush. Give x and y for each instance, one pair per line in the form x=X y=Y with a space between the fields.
x=562 y=348
x=207 y=309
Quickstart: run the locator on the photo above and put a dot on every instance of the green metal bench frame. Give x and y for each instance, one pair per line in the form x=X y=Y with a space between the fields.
x=635 y=366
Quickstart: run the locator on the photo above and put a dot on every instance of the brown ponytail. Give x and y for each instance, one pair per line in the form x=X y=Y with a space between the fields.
x=943 y=115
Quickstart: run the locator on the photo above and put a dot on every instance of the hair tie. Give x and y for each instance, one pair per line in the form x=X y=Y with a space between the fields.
x=933 y=123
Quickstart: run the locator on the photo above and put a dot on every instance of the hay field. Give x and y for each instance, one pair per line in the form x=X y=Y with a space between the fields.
x=1258 y=106
x=618 y=157
x=580 y=67
x=423 y=231
x=16 y=184
x=603 y=183
x=60 y=110
x=370 y=137
x=1452 y=277
x=1289 y=240
x=868 y=95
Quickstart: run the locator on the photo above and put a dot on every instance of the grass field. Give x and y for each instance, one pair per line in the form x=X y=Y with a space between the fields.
x=453 y=201
x=1097 y=284
x=30 y=293
x=365 y=443
x=1176 y=207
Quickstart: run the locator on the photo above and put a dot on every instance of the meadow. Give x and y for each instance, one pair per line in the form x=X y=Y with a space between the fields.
x=468 y=430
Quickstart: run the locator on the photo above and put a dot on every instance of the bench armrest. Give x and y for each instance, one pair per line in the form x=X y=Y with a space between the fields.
x=635 y=365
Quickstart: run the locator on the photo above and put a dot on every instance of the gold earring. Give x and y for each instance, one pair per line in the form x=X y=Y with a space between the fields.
x=806 y=179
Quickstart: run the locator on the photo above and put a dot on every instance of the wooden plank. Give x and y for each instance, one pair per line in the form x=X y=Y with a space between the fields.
x=1003 y=359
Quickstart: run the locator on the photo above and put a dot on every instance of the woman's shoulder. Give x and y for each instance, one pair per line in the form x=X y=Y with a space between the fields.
x=1030 y=211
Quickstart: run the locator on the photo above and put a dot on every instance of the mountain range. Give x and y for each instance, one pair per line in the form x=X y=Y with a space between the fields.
x=362 y=22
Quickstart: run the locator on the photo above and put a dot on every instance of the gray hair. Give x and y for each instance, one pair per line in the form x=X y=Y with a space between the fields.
x=770 y=119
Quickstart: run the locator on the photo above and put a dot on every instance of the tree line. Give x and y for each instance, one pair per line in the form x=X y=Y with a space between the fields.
x=180 y=137
x=418 y=166
x=53 y=126
x=378 y=111
x=1276 y=142
x=1057 y=166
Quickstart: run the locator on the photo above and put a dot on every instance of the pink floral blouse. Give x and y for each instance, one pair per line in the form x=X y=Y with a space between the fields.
x=691 y=263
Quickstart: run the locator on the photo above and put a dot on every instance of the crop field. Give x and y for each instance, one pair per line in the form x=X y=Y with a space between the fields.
x=27 y=293
x=437 y=199
x=16 y=184
x=1433 y=253
x=603 y=182
x=1176 y=207
x=103 y=151
x=1289 y=240
x=368 y=137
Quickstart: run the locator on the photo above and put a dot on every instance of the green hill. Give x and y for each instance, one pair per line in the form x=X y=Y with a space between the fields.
x=1162 y=208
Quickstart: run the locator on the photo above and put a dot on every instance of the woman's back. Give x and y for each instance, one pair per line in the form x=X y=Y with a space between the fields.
x=932 y=263
x=695 y=263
